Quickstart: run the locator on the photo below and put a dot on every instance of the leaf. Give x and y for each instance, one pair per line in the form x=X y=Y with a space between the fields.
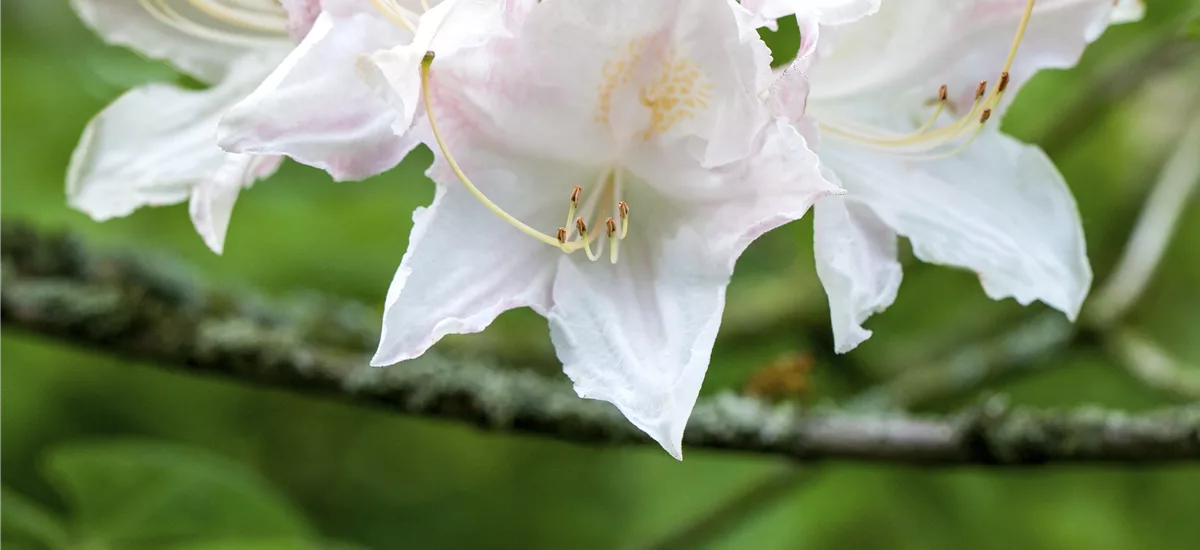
x=23 y=522
x=1192 y=29
x=274 y=543
x=129 y=493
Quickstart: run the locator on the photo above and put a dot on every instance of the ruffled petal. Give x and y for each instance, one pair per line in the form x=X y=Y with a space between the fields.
x=128 y=23
x=211 y=203
x=999 y=208
x=639 y=333
x=314 y=108
x=856 y=262
x=154 y=144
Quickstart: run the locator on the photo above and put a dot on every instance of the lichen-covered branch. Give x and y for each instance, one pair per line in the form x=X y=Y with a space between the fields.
x=124 y=306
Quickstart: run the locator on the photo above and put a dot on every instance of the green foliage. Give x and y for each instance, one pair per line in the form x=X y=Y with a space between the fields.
x=126 y=494
x=1192 y=29
x=27 y=524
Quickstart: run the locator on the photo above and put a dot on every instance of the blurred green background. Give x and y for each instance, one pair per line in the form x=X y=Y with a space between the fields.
x=124 y=452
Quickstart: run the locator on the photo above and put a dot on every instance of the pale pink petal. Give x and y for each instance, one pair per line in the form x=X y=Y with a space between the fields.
x=156 y=143
x=856 y=261
x=639 y=333
x=999 y=208
x=314 y=108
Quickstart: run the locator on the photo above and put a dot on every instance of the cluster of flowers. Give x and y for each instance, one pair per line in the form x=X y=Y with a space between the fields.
x=605 y=162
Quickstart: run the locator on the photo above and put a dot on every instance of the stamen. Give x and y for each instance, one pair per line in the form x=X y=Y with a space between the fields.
x=583 y=236
x=396 y=13
x=610 y=227
x=955 y=135
x=574 y=204
x=241 y=16
x=437 y=136
x=623 y=210
x=264 y=28
x=560 y=239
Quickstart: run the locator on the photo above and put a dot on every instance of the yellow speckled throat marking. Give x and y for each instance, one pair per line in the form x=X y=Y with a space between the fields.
x=677 y=92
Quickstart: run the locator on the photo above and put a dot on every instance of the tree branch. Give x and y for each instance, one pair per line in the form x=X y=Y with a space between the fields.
x=121 y=305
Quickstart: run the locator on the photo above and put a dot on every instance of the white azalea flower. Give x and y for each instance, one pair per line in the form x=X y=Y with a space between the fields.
x=904 y=113
x=614 y=159
x=155 y=145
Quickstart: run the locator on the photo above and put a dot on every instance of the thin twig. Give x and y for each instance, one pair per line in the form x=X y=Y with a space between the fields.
x=118 y=305
x=1153 y=231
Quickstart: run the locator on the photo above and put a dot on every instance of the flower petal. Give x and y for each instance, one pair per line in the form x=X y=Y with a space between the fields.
x=155 y=143
x=452 y=25
x=999 y=208
x=212 y=199
x=464 y=265
x=314 y=108
x=128 y=23
x=915 y=46
x=301 y=16
x=856 y=262
x=639 y=333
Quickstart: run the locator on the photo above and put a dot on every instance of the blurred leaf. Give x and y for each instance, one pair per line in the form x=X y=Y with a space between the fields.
x=272 y=543
x=1192 y=29
x=23 y=522
x=128 y=493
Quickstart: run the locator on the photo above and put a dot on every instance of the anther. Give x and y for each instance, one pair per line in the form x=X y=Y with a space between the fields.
x=623 y=210
x=1003 y=84
x=610 y=226
x=574 y=203
x=562 y=235
x=982 y=89
x=943 y=93
x=582 y=227
x=987 y=113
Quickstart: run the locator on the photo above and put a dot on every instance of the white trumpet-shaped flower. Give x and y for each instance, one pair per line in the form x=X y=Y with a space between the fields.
x=907 y=103
x=603 y=162
x=156 y=144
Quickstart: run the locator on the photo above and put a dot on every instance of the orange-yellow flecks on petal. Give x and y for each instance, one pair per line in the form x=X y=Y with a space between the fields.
x=677 y=92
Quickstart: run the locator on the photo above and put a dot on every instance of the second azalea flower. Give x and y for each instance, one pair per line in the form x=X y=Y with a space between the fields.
x=603 y=162
x=908 y=103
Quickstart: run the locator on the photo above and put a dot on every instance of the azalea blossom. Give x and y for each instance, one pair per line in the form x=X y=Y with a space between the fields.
x=907 y=103
x=155 y=145
x=603 y=162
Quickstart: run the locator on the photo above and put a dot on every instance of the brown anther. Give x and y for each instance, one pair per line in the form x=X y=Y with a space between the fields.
x=582 y=227
x=1003 y=82
x=623 y=209
x=987 y=113
x=562 y=235
x=575 y=195
x=610 y=225
x=982 y=89
x=943 y=93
